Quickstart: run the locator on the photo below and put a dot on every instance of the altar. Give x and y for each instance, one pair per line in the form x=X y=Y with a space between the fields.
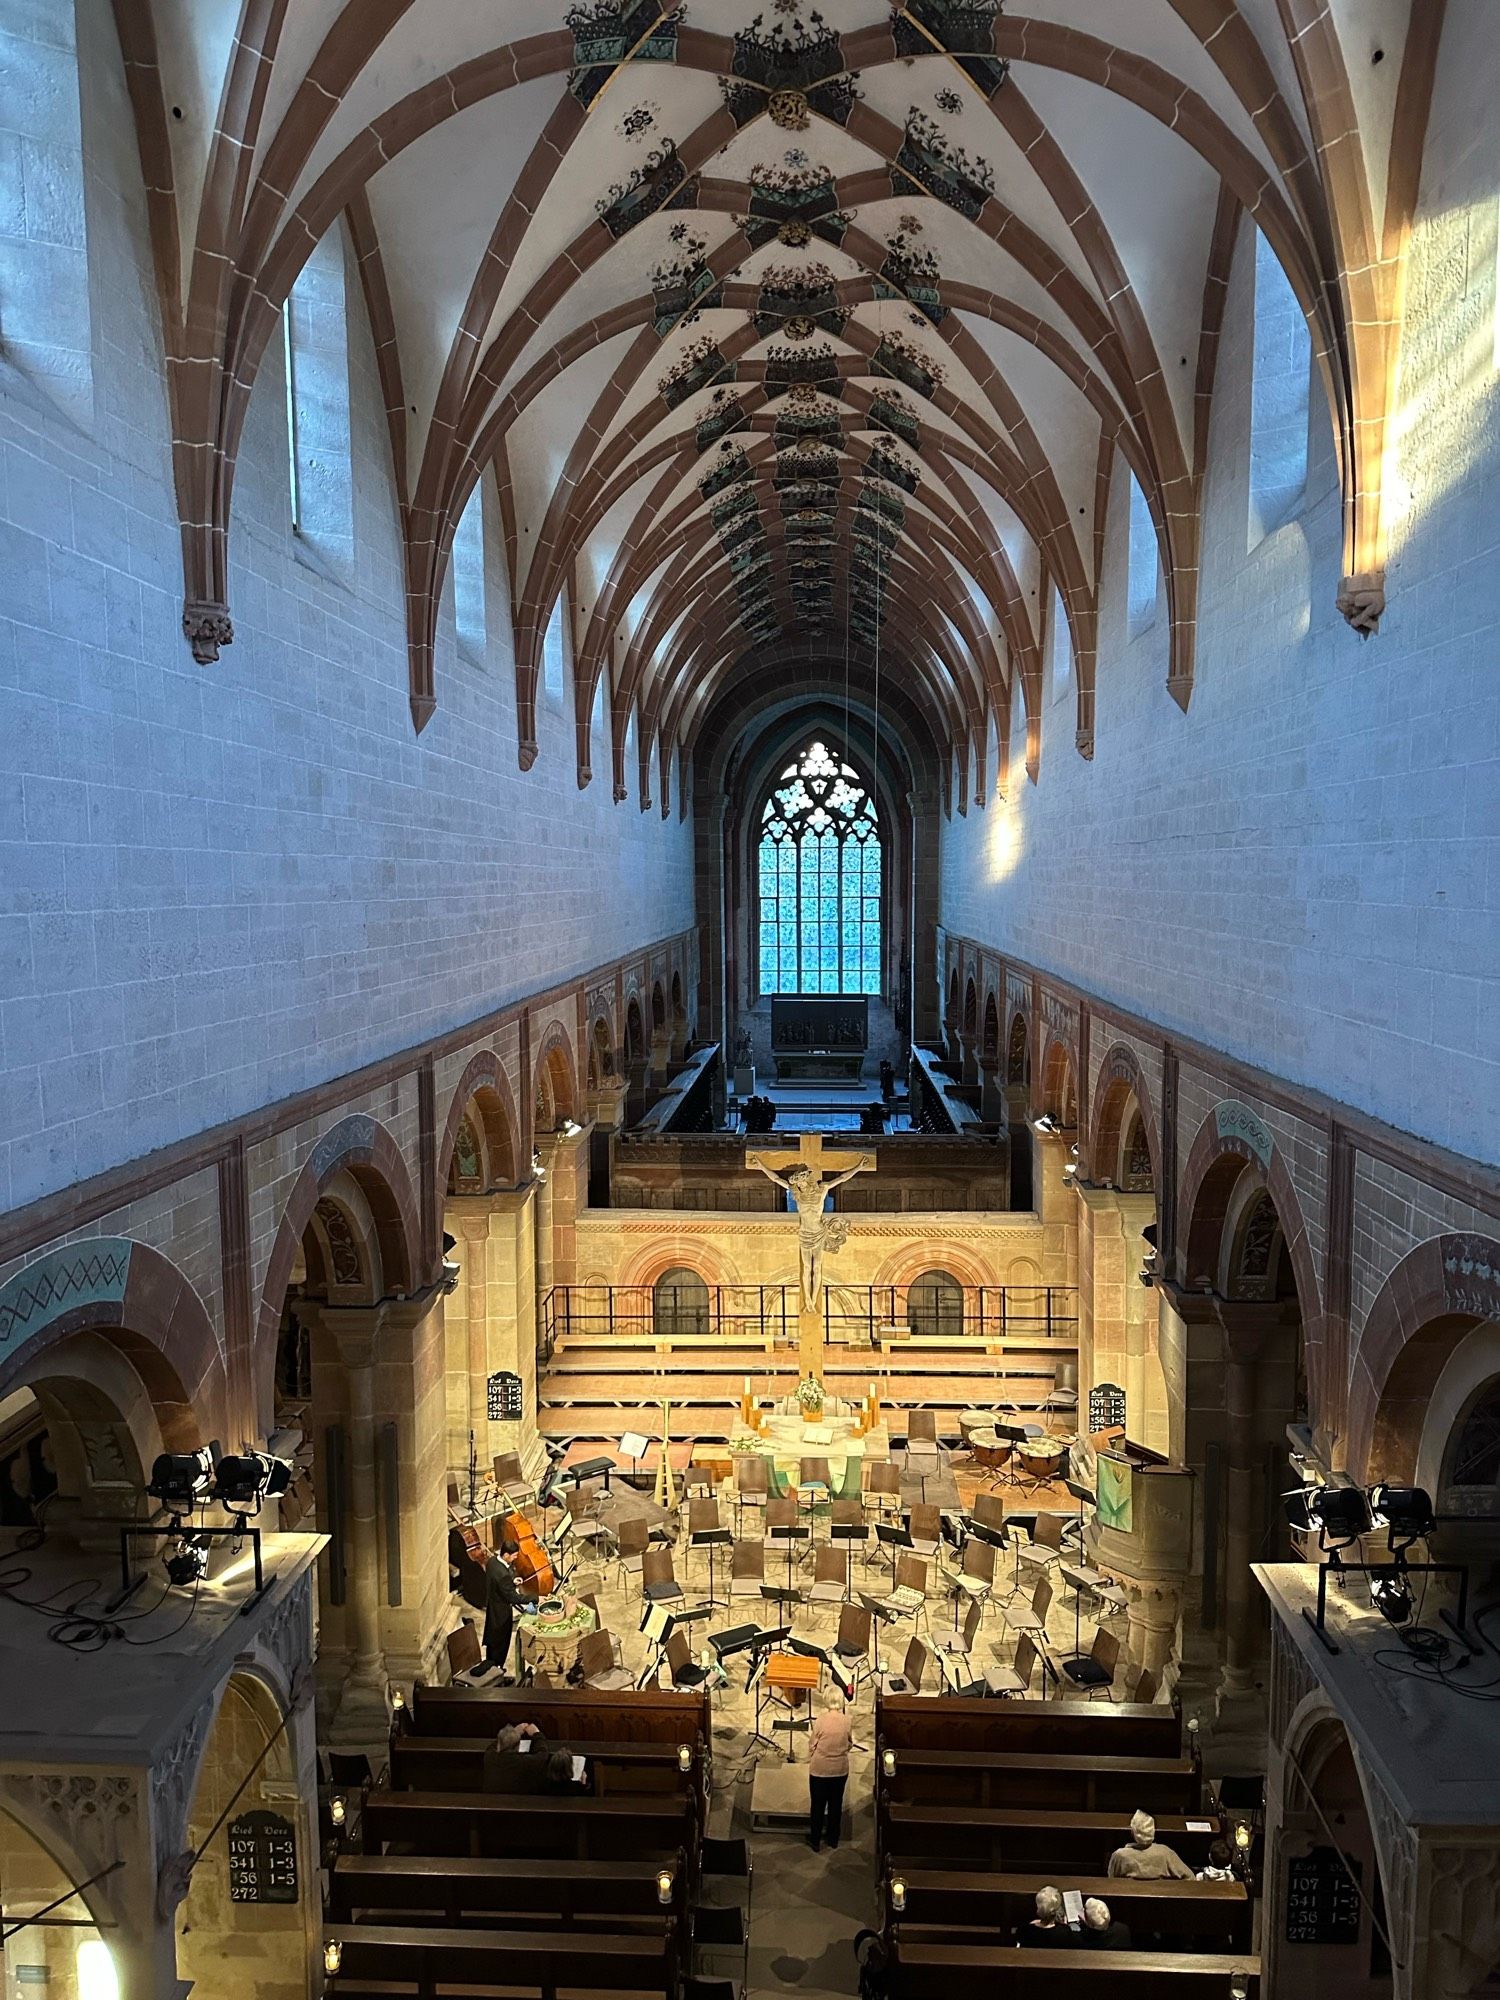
x=786 y=1440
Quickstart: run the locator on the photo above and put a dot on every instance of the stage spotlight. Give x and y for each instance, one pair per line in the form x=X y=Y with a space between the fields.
x=1046 y=1124
x=181 y=1479
x=243 y=1483
x=186 y=1562
x=1390 y=1593
x=1341 y=1514
x=1405 y=1510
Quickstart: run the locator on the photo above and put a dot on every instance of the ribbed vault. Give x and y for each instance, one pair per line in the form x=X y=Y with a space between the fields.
x=784 y=342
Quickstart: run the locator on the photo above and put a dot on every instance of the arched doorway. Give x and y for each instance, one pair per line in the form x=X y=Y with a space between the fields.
x=1018 y=1112
x=480 y=1168
x=67 y=1958
x=1324 y=1848
x=1059 y=1088
x=223 y=1946
x=1119 y=1336
x=935 y=1304
x=679 y=1303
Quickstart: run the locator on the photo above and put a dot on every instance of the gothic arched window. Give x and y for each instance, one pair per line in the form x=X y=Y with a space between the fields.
x=819 y=881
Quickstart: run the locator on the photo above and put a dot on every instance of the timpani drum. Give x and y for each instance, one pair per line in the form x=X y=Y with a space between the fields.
x=991 y=1453
x=1042 y=1458
x=970 y=1421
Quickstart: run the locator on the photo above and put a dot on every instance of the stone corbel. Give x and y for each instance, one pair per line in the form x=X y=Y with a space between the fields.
x=1361 y=599
x=206 y=627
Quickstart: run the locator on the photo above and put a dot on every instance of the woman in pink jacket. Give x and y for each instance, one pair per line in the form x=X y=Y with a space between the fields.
x=827 y=1774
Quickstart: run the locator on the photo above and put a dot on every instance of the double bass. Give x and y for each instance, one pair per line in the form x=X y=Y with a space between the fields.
x=516 y=1537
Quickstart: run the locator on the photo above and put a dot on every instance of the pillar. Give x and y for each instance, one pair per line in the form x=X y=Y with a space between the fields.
x=497 y=1254
x=968 y=1060
x=1057 y=1206
x=992 y=1093
x=361 y=1709
x=1242 y=1522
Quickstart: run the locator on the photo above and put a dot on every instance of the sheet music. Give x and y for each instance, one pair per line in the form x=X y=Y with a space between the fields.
x=1073 y=1906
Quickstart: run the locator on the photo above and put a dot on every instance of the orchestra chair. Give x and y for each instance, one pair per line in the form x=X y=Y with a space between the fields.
x=1063 y=1395
x=814 y=1483
x=909 y=1591
x=1145 y=1687
x=752 y=1486
x=882 y=1489
x=1036 y=1553
x=781 y=1513
x=831 y=1576
x=926 y=1525
x=747 y=1569
x=1014 y=1679
x=924 y=1458
x=1032 y=1617
x=598 y=1665
x=464 y=1653
x=1094 y=1672
x=702 y=1519
x=583 y=1512
x=852 y=1646
x=511 y=1480
x=659 y=1579
x=989 y=1510
x=631 y=1538
x=684 y=1669
x=975 y=1577
x=960 y=1645
x=913 y=1671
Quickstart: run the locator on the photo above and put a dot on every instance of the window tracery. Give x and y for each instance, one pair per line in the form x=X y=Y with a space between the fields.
x=820 y=880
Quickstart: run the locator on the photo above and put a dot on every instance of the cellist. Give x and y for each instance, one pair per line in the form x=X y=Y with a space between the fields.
x=502 y=1596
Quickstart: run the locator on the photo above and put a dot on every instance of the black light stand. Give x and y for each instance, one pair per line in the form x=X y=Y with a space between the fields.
x=1086 y=1497
x=1458 y=1621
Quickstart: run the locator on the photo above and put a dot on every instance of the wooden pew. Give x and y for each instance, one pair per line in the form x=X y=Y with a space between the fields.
x=1032 y=1778
x=456 y=1764
x=982 y=1972
x=387 y=1959
x=1216 y=1915
x=995 y=1839
x=487 y=1823
x=455 y=1890
x=581 y=1715
x=1063 y=1728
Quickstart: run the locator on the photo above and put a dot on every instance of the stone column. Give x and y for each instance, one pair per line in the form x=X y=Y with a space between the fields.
x=992 y=1093
x=1057 y=1205
x=511 y=1332
x=968 y=1059
x=1242 y=1521
x=1153 y=1608
x=361 y=1709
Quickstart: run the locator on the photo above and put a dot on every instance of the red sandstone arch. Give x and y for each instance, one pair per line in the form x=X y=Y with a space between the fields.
x=1120 y=1079
x=485 y=1084
x=555 y=1075
x=1214 y=1172
x=952 y=1013
x=989 y=1047
x=1432 y=1298
x=1018 y=1049
x=1059 y=1084
x=362 y=1147
x=160 y=1326
x=971 y=1009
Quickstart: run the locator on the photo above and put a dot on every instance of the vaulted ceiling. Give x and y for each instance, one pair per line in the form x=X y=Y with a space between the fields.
x=797 y=341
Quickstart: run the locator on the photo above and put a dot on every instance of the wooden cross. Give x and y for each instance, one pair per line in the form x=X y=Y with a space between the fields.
x=817 y=1233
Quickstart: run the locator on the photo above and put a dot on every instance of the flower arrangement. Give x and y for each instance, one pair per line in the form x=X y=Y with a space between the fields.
x=810 y=1396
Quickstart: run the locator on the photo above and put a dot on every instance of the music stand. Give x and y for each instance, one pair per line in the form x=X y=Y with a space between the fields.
x=1016 y=1435
x=658 y=1626
x=848 y=1532
x=755 y=1684
x=895 y=1538
x=712 y=1539
x=1086 y=1497
x=880 y=1614
x=634 y=1445
x=563 y=1547
x=789 y=1535
x=786 y=1597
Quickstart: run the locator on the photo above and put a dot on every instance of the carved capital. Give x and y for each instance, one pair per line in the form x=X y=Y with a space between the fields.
x=1361 y=599
x=526 y=752
x=174 y=1775
x=206 y=627
x=1083 y=740
x=173 y=1879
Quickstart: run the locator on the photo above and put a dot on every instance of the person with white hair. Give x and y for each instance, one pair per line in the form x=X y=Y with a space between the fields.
x=1049 y=1927
x=1145 y=1858
x=1101 y=1931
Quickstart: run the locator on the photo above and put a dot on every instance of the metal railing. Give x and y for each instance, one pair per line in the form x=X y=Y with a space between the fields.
x=853 y=1315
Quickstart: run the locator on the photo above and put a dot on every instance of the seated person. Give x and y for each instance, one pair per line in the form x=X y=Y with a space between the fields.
x=558 y=1773
x=1220 y=1864
x=1146 y=1859
x=1101 y=1932
x=510 y=1768
x=1049 y=1927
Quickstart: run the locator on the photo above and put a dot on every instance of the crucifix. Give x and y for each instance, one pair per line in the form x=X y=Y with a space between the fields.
x=812 y=1174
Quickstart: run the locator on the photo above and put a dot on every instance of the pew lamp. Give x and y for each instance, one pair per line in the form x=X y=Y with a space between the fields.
x=338 y=1811
x=684 y=1757
x=1239 y=1986
x=1242 y=1835
x=664 y=1886
x=333 y=1955
x=888 y=1763
x=898 y=1893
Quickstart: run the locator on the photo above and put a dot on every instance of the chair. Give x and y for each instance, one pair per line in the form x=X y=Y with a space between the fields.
x=1044 y=1547
x=975 y=1578
x=721 y=1860
x=924 y=1459
x=350 y=1769
x=631 y=1538
x=597 y=1664
x=921 y=1426
x=1015 y=1679
x=831 y=1576
x=959 y=1645
x=781 y=1513
x=1032 y=1617
x=703 y=1517
x=1095 y=1671
x=926 y=1525
x=747 y=1569
x=684 y=1669
x=850 y=1515
x=719 y=1927
x=583 y=1512
x=989 y=1510
x=752 y=1485
x=913 y=1668
x=1063 y=1395
x=464 y=1652
x=1145 y=1687
x=511 y=1480
x=852 y=1646
x=814 y=1483
x=882 y=1489
x=658 y=1578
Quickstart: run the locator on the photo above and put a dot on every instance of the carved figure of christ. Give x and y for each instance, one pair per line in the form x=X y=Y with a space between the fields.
x=810 y=1174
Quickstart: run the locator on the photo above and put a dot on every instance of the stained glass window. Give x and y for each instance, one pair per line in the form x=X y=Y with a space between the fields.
x=819 y=880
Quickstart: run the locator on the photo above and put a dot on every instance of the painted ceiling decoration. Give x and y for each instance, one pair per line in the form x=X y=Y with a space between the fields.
x=930 y=271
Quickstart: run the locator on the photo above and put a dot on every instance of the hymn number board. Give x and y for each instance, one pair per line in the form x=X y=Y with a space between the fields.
x=1322 y=1902
x=1106 y=1408
x=503 y=1397
x=262 y=1859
